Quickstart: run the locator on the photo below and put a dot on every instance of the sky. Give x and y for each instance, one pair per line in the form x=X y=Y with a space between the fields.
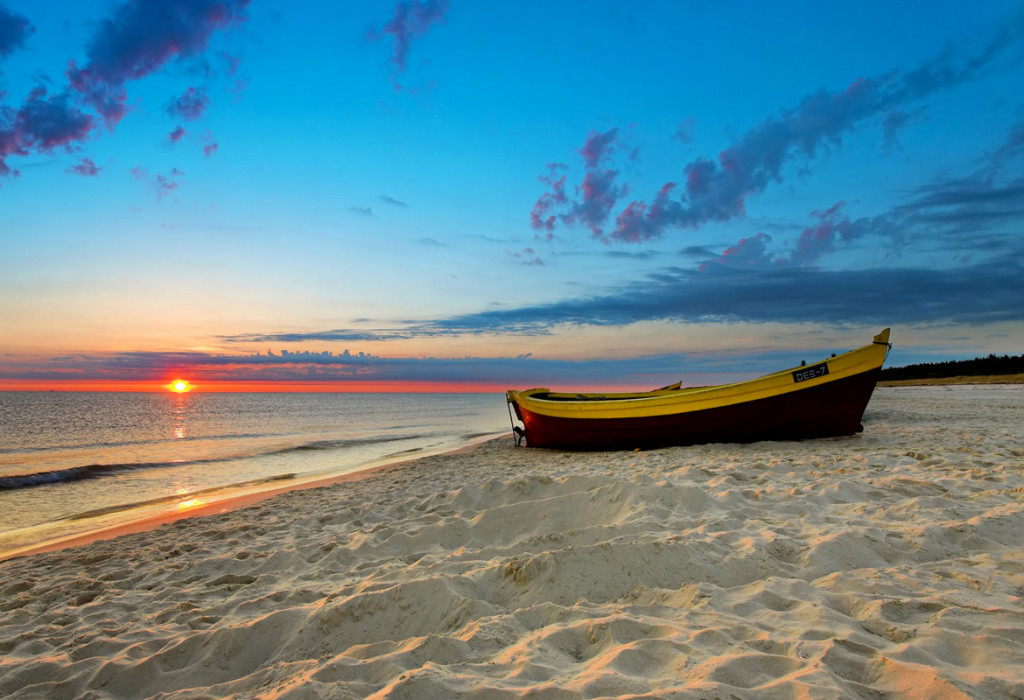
x=452 y=195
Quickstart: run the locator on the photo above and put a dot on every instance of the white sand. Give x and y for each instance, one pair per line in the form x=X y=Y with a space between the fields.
x=887 y=564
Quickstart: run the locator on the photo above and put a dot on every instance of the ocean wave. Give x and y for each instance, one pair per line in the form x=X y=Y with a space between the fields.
x=129 y=443
x=122 y=507
x=96 y=471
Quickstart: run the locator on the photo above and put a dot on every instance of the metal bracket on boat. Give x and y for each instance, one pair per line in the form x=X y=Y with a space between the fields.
x=518 y=434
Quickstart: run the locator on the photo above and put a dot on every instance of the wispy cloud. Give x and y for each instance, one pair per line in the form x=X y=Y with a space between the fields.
x=43 y=123
x=162 y=184
x=596 y=196
x=960 y=219
x=138 y=39
x=14 y=29
x=820 y=237
x=716 y=189
x=339 y=368
x=85 y=167
x=967 y=204
x=982 y=293
x=209 y=145
x=48 y=122
x=410 y=20
x=543 y=217
x=599 y=147
x=1010 y=151
x=526 y=256
x=190 y=105
x=339 y=335
x=755 y=280
x=684 y=130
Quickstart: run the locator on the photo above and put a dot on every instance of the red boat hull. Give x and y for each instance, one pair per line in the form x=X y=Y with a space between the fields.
x=827 y=410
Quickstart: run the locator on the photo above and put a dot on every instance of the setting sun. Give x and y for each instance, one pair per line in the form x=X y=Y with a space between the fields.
x=180 y=386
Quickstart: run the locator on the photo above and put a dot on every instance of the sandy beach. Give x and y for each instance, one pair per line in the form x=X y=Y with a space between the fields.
x=889 y=564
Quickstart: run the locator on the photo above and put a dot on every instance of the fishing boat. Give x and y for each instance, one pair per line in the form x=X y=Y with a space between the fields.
x=821 y=399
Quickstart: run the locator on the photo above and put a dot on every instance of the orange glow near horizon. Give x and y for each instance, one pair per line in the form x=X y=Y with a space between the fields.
x=348 y=387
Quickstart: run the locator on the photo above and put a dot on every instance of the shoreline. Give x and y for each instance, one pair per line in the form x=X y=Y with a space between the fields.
x=888 y=563
x=246 y=498
x=249 y=496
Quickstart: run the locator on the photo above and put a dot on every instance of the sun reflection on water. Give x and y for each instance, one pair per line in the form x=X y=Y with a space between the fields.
x=190 y=503
x=179 y=415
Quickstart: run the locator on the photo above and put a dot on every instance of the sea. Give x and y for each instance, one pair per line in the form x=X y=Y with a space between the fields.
x=72 y=463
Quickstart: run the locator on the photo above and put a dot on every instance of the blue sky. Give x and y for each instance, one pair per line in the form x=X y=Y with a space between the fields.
x=502 y=194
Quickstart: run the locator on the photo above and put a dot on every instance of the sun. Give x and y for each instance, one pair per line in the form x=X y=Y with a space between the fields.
x=180 y=386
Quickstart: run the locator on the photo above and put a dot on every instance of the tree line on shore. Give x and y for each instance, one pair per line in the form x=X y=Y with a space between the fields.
x=978 y=367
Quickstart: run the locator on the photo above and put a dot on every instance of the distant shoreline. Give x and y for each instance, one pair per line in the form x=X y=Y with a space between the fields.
x=941 y=381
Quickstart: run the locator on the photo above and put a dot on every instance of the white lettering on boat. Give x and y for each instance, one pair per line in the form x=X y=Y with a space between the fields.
x=812 y=372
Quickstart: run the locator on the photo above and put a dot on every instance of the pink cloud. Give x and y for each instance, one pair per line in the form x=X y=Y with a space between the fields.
x=748 y=253
x=717 y=189
x=189 y=106
x=138 y=39
x=597 y=194
x=640 y=221
x=162 y=184
x=825 y=235
x=209 y=145
x=410 y=20
x=820 y=239
x=540 y=218
x=86 y=167
x=43 y=124
x=176 y=135
x=46 y=123
x=598 y=146
x=528 y=256
x=749 y=250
